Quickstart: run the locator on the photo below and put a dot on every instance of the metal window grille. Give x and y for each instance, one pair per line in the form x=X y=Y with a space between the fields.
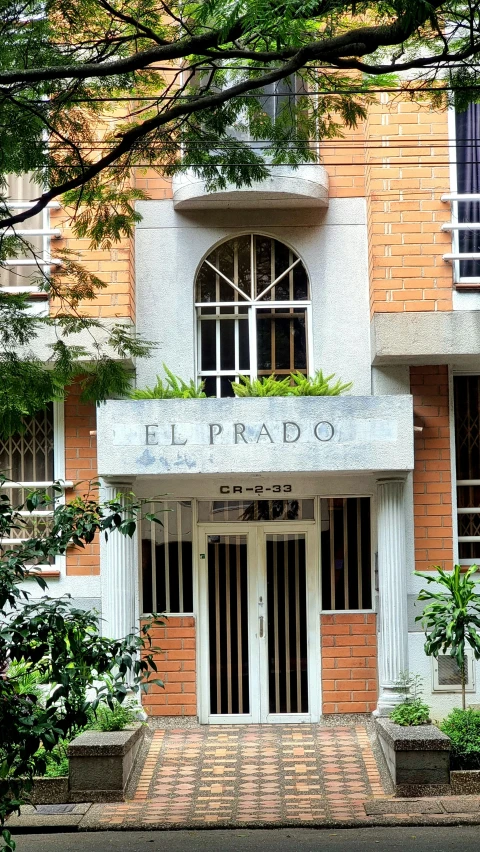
x=253 y=301
x=447 y=675
x=167 y=556
x=232 y=511
x=467 y=455
x=346 y=553
x=465 y=200
x=27 y=460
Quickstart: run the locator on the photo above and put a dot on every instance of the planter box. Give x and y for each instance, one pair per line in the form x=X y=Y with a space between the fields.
x=101 y=764
x=465 y=781
x=417 y=757
x=50 y=791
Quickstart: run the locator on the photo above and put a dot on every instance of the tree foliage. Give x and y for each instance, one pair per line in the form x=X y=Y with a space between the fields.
x=58 y=642
x=93 y=89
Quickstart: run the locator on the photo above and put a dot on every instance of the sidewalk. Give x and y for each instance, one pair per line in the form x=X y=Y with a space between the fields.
x=257 y=776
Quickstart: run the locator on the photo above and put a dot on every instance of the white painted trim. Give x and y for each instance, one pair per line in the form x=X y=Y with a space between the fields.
x=453 y=464
x=59 y=461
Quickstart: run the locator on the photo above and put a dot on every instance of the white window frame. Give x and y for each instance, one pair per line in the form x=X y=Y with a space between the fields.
x=253 y=305
x=453 y=198
x=453 y=374
x=448 y=687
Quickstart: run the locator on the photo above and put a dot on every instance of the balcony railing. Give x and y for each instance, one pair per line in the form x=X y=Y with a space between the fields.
x=465 y=230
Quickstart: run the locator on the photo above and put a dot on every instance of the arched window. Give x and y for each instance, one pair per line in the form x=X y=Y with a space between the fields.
x=252 y=301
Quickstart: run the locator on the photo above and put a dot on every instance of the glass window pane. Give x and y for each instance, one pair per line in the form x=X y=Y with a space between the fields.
x=244 y=279
x=208 y=347
x=167 y=558
x=263 y=261
x=346 y=553
x=234 y=511
x=206 y=279
x=243 y=346
x=226 y=386
x=227 y=345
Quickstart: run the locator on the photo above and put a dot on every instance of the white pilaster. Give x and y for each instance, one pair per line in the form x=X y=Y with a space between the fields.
x=392 y=581
x=119 y=571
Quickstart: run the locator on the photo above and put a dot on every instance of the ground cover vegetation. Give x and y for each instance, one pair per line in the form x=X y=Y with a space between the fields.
x=91 y=90
x=49 y=641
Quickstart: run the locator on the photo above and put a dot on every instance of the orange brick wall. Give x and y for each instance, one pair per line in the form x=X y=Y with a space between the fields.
x=80 y=467
x=406 y=173
x=349 y=662
x=176 y=667
x=432 y=478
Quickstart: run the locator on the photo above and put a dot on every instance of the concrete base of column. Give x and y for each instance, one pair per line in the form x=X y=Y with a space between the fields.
x=388 y=700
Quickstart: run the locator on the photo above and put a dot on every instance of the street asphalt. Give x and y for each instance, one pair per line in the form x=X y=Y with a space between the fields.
x=425 y=839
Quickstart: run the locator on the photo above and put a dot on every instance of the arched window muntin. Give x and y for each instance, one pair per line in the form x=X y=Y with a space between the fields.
x=253 y=312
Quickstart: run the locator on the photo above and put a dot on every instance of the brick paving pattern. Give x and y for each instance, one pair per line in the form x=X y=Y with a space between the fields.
x=252 y=774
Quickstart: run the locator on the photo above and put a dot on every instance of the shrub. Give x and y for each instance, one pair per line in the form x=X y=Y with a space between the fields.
x=296 y=384
x=411 y=713
x=463 y=728
x=172 y=387
x=113 y=719
x=56 y=760
x=412 y=710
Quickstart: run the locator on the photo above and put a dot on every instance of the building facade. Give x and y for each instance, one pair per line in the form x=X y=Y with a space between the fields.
x=293 y=528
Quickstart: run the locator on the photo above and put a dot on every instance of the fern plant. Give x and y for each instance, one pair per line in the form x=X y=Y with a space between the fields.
x=172 y=387
x=317 y=385
x=296 y=384
x=266 y=386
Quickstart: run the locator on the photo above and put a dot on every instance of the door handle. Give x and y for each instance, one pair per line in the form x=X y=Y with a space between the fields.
x=261 y=627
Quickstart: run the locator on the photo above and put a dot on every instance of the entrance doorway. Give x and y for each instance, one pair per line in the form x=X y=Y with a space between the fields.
x=258 y=623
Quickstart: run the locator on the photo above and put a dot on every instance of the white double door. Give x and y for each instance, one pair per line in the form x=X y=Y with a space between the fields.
x=258 y=624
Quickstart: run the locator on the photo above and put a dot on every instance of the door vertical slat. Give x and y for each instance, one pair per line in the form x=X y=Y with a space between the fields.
x=359 y=555
x=275 y=617
x=228 y=628
x=298 y=654
x=239 y=626
x=345 y=553
x=217 y=627
x=287 y=625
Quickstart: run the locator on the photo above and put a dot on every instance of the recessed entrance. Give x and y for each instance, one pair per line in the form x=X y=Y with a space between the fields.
x=259 y=635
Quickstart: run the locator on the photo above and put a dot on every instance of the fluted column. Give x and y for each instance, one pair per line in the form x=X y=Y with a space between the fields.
x=119 y=575
x=392 y=581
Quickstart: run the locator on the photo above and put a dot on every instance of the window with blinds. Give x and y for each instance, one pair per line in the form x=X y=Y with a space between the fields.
x=346 y=553
x=167 y=554
x=467 y=457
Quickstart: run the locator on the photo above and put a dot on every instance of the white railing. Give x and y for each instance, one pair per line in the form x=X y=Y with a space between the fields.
x=455 y=226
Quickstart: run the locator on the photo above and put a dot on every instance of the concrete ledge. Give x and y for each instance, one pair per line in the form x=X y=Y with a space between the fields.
x=417 y=756
x=285 y=187
x=50 y=791
x=465 y=781
x=101 y=763
x=426 y=337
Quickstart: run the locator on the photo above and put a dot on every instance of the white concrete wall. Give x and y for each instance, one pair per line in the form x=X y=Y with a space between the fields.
x=171 y=245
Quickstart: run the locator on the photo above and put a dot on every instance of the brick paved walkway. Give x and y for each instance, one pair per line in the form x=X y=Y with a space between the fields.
x=258 y=774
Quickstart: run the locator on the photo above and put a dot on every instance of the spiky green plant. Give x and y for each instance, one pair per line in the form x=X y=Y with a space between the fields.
x=266 y=386
x=453 y=616
x=172 y=387
x=296 y=384
x=318 y=385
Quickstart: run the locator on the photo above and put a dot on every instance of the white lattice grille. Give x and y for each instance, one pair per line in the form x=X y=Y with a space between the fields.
x=27 y=459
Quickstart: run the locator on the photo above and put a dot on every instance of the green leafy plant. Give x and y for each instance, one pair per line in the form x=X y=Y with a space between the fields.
x=318 y=385
x=266 y=386
x=296 y=384
x=463 y=728
x=412 y=710
x=172 y=387
x=452 y=617
x=56 y=760
x=115 y=718
x=49 y=640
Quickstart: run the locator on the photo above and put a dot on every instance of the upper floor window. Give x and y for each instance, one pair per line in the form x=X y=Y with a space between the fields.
x=467 y=456
x=253 y=305
x=466 y=240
